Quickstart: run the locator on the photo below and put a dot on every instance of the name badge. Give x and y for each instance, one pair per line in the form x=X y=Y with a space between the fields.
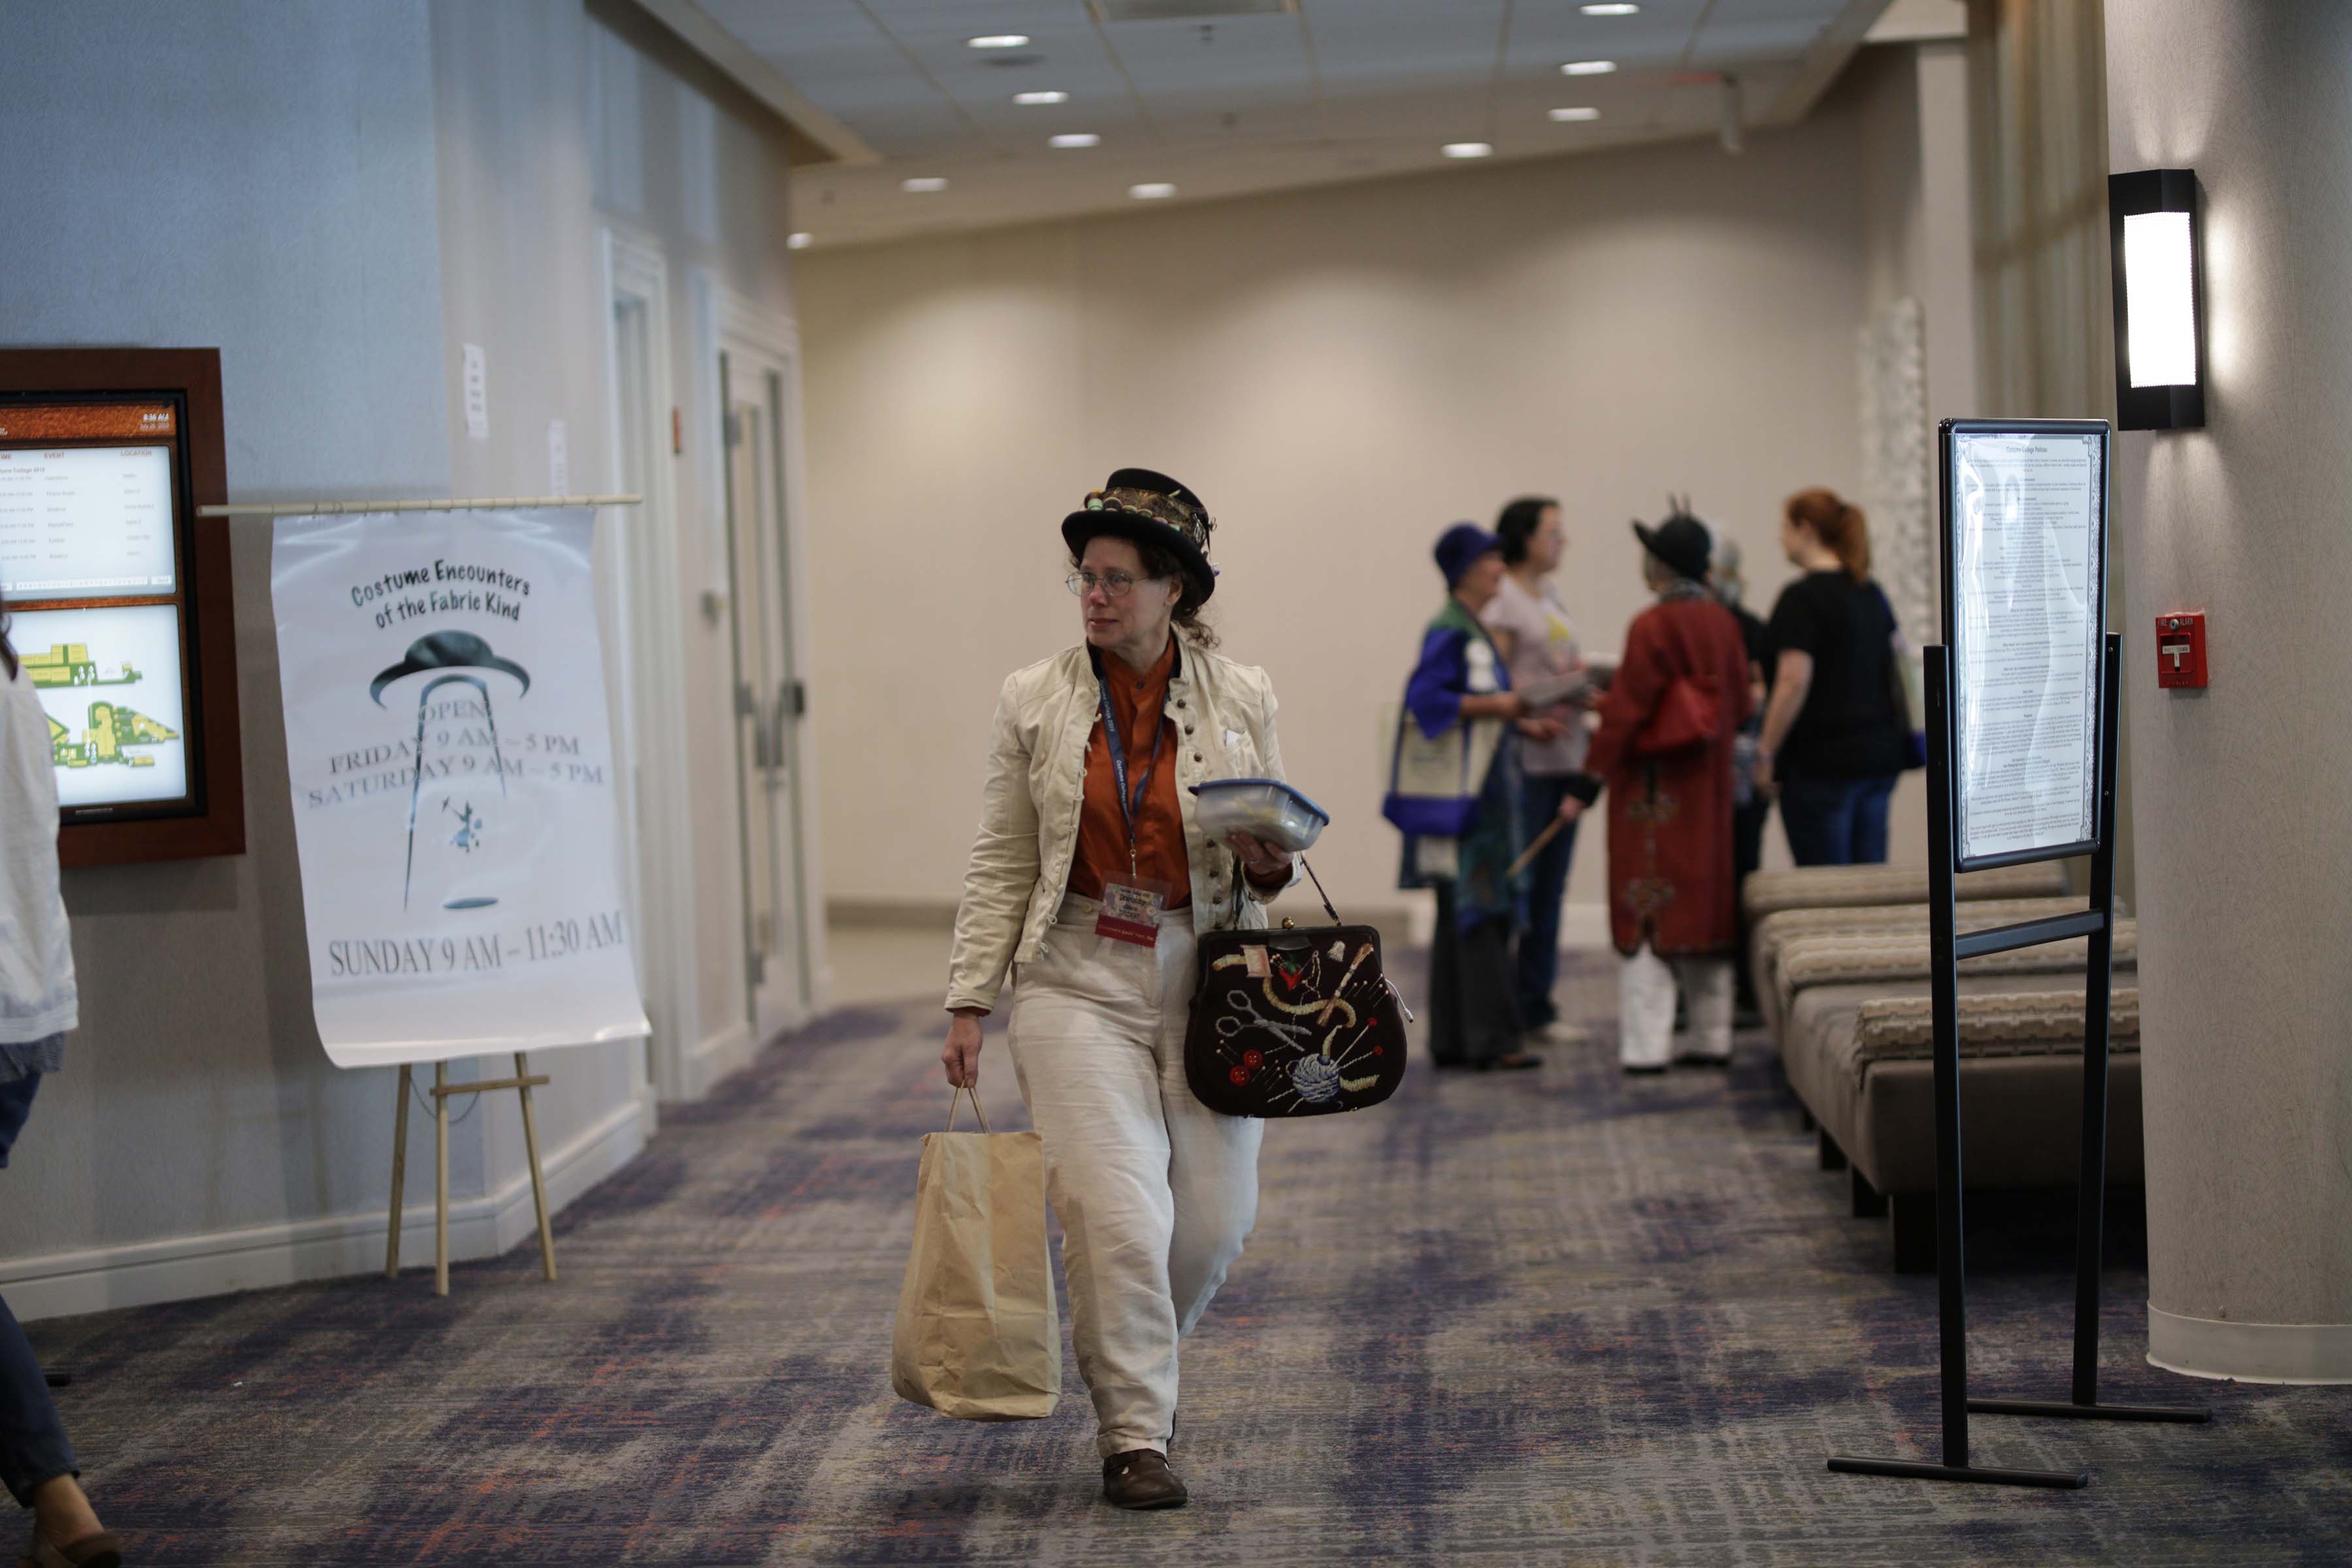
x=1130 y=913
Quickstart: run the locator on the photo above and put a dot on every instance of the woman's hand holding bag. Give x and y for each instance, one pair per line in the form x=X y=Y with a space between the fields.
x=960 y=1056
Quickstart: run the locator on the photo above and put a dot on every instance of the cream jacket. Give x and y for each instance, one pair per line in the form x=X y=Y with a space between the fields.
x=1221 y=714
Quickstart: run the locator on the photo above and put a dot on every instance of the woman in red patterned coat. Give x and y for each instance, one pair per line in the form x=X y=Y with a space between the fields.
x=1672 y=901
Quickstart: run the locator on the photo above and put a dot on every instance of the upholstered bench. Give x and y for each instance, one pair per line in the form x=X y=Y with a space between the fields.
x=1869 y=957
x=1859 y=1055
x=1774 y=932
x=1829 y=886
x=1850 y=969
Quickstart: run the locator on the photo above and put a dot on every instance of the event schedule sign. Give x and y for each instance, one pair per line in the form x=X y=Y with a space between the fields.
x=453 y=785
x=2025 y=615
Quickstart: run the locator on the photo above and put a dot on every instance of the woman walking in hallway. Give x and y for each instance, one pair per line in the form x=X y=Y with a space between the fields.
x=1461 y=688
x=1537 y=641
x=1091 y=878
x=1663 y=753
x=39 y=1004
x=1833 y=739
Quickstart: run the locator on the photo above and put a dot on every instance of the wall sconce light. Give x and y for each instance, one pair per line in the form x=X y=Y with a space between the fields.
x=2155 y=219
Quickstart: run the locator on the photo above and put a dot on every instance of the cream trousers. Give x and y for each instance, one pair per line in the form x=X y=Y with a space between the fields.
x=1156 y=1192
x=1645 y=1008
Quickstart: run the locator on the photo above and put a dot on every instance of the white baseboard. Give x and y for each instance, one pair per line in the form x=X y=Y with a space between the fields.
x=2249 y=1353
x=180 y=1268
x=716 y=1056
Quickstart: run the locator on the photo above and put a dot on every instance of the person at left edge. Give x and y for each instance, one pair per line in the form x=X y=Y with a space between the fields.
x=39 y=1004
x=1091 y=877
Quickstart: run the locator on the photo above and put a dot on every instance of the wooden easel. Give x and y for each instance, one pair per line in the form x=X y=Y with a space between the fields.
x=522 y=1082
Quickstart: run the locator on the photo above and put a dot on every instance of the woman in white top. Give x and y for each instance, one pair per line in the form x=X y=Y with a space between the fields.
x=1531 y=628
x=38 y=1005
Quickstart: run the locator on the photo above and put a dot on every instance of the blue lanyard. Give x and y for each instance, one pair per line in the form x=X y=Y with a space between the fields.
x=1130 y=803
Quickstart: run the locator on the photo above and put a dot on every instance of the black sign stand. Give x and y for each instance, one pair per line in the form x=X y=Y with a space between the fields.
x=2097 y=923
x=1947 y=948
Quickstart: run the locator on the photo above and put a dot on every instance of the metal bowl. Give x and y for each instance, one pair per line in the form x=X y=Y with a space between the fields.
x=1262 y=808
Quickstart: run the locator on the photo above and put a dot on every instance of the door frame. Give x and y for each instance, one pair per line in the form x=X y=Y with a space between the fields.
x=729 y=325
x=657 y=829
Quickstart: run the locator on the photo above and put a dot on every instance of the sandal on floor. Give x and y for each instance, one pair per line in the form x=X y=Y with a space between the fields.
x=1518 y=1062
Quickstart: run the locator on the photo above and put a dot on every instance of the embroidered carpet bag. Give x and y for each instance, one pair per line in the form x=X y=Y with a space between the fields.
x=1300 y=1021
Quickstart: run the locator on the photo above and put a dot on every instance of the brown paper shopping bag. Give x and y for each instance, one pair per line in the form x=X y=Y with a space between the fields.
x=979 y=1336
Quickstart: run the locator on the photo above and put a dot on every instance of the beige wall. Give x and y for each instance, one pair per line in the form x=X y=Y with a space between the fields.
x=1341 y=373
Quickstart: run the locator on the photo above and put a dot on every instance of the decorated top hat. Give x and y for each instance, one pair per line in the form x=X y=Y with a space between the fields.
x=1148 y=508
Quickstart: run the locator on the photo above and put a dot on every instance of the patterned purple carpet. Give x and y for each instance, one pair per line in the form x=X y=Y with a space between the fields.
x=1561 y=1316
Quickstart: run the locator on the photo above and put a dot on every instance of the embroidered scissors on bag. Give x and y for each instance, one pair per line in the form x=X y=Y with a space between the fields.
x=1297 y=1034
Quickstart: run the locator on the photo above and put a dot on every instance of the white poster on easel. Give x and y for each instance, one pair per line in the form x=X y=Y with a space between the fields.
x=452 y=770
x=2028 y=624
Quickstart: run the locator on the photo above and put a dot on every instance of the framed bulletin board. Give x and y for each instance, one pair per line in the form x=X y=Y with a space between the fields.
x=118 y=595
x=2025 y=616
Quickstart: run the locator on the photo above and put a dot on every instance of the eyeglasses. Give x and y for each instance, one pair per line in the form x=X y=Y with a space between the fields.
x=1116 y=585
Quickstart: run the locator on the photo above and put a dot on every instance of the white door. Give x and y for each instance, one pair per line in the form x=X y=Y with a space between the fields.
x=638 y=575
x=768 y=696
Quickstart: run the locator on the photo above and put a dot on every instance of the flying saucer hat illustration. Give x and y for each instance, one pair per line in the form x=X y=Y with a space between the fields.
x=446 y=650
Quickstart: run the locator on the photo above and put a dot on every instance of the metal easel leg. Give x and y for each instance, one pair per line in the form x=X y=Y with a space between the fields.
x=538 y=1180
x=440 y=1180
x=399 y=1170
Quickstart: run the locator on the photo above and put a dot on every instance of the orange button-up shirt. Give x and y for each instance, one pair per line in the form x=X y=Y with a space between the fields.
x=1140 y=701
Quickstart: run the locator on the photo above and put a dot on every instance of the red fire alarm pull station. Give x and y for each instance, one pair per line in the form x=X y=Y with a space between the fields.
x=2181 y=649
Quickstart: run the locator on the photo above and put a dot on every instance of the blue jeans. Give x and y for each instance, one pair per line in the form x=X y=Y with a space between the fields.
x=1539 y=960
x=1836 y=822
x=33 y=1447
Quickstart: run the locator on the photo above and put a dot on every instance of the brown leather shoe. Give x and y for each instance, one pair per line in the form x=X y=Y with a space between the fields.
x=1140 y=1478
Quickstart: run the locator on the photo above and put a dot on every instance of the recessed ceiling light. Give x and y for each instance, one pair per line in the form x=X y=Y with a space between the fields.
x=923 y=184
x=1588 y=68
x=798 y=241
x=1074 y=139
x=1157 y=190
x=1611 y=8
x=1467 y=149
x=1040 y=97
x=997 y=41
x=1577 y=113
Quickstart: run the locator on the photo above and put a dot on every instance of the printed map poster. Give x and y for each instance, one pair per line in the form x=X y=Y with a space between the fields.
x=453 y=785
x=108 y=678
